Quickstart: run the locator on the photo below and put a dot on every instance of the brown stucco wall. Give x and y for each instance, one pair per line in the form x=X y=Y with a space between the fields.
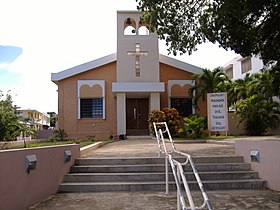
x=68 y=105
x=170 y=73
x=81 y=128
x=19 y=190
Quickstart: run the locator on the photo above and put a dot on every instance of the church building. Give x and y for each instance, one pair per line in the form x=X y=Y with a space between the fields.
x=115 y=93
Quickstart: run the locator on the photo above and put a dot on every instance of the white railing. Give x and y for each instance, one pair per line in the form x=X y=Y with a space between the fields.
x=161 y=129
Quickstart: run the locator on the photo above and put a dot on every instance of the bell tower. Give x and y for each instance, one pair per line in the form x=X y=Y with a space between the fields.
x=138 y=79
x=137 y=49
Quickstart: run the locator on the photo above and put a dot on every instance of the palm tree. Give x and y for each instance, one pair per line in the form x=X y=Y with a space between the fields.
x=262 y=85
x=208 y=82
x=258 y=114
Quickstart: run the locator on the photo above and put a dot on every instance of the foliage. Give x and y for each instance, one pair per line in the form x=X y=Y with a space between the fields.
x=172 y=119
x=155 y=116
x=194 y=127
x=258 y=114
x=91 y=138
x=53 y=119
x=247 y=27
x=168 y=115
x=52 y=138
x=9 y=124
x=60 y=134
x=208 y=82
x=255 y=84
x=110 y=135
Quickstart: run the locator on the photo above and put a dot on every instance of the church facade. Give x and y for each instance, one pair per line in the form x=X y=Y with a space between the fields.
x=113 y=95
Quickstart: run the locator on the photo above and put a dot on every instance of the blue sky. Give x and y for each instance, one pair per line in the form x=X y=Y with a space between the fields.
x=8 y=54
x=40 y=37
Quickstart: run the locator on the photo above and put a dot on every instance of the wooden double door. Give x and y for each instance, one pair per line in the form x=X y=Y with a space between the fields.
x=137 y=111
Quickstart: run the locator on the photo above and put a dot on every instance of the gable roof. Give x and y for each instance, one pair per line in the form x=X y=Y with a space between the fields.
x=113 y=57
x=83 y=67
x=179 y=64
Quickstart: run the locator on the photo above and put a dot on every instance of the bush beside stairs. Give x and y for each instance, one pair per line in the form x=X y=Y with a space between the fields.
x=148 y=174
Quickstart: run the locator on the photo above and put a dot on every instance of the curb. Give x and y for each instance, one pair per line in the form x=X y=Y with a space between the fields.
x=91 y=147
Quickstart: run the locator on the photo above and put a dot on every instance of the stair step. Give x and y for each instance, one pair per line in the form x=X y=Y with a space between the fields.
x=159 y=186
x=155 y=160
x=156 y=176
x=148 y=174
x=157 y=168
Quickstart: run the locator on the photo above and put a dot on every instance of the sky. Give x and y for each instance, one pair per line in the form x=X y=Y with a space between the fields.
x=40 y=37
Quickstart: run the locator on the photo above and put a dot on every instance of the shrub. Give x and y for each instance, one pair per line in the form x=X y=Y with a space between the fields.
x=172 y=119
x=168 y=115
x=60 y=134
x=91 y=138
x=258 y=115
x=194 y=127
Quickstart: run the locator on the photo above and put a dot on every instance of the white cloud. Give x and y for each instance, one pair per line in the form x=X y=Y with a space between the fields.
x=4 y=65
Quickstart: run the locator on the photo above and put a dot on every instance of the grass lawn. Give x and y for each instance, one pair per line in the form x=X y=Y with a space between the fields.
x=48 y=143
x=214 y=137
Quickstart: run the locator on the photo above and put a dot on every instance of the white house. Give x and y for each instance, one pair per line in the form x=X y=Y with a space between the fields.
x=240 y=66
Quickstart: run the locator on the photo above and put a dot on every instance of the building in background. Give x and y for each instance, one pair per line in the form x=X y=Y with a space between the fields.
x=240 y=66
x=34 y=119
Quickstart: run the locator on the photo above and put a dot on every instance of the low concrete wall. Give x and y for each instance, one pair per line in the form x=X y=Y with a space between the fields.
x=19 y=189
x=45 y=134
x=269 y=165
x=240 y=130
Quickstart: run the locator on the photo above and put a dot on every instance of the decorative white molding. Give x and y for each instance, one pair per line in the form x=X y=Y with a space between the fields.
x=178 y=82
x=181 y=83
x=179 y=64
x=83 y=67
x=113 y=57
x=91 y=83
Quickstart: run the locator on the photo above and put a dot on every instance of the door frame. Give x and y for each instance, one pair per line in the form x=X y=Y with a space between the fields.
x=134 y=107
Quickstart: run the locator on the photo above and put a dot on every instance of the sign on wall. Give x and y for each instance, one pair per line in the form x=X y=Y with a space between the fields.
x=217 y=112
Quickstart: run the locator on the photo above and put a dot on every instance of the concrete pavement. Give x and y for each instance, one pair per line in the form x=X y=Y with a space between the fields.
x=229 y=199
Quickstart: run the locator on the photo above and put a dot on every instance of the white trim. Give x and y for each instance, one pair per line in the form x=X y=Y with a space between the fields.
x=179 y=64
x=83 y=67
x=91 y=83
x=113 y=57
x=119 y=87
x=181 y=83
x=178 y=82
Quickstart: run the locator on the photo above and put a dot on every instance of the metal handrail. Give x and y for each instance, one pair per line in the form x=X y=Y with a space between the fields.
x=179 y=173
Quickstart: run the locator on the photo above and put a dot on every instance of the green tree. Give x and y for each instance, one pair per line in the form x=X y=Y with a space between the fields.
x=239 y=89
x=53 y=118
x=258 y=114
x=208 y=82
x=262 y=84
x=9 y=124
x=247 y=27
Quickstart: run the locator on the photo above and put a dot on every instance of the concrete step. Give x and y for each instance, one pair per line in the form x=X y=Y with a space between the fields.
x=159 y=186
x=157 y=168
x=155 y=160
x=140 y=174
x=157 y=176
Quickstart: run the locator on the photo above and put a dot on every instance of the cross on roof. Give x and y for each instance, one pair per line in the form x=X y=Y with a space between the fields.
x=137 y=53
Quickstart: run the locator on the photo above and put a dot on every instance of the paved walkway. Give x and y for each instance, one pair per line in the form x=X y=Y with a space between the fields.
x=228 y=199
